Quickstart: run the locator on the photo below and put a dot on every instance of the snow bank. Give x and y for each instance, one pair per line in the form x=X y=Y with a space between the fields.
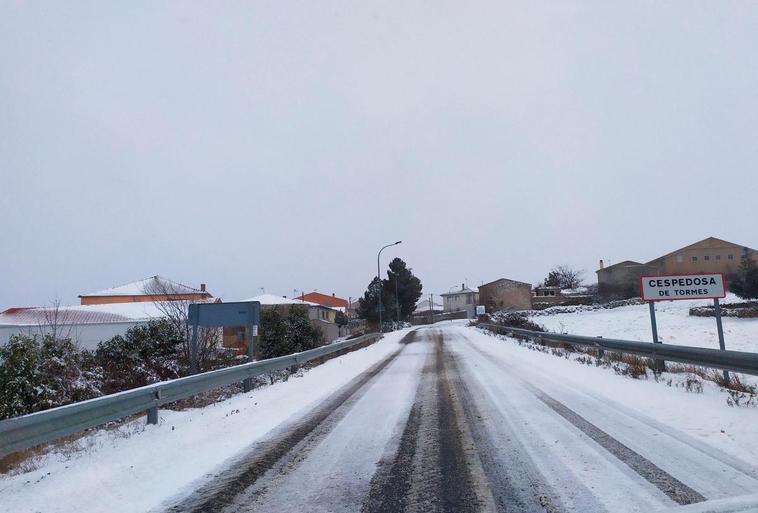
x=675 y=325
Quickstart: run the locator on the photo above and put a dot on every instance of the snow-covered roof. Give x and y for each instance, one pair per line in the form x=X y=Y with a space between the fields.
x=81 y=314
x=271 y=299
x=153 y=285
x=462 y=291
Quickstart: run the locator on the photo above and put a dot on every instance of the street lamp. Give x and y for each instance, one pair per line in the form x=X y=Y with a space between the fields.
x=378 y=276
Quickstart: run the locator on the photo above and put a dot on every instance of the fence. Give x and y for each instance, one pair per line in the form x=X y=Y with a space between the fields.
x=29 y=430
x=737 y=361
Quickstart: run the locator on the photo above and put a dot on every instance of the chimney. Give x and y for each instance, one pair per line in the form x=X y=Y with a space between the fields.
x=202 y=287
x=602 y=266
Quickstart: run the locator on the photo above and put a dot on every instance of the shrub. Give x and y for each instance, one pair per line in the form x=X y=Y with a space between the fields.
x=517 y=320
x=284 y=333
x=39 y=374
x=145 y=354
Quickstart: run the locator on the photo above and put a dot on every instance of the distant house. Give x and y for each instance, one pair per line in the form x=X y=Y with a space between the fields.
x=547 y=292
x=464 y=299
x=710 y=255
x=325 y=300
x=505 y=294
x=621 y=280
x=155 y=288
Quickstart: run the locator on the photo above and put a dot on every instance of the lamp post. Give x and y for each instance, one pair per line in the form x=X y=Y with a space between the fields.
x=378 y=276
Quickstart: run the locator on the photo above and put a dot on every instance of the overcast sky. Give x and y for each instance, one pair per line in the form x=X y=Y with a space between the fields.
x=279 y=144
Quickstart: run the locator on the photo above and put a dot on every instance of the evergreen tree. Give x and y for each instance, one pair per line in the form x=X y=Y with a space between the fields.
x=367 y=305
x=744 y=282
x=408 y=290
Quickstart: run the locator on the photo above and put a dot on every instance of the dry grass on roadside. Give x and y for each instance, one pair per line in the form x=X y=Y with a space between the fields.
x=739 y=393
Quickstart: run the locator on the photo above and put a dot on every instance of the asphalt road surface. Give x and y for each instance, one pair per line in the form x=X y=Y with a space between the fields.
x=446 y=424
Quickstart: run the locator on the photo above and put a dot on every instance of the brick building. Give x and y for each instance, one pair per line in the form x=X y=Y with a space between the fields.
x=709 y=255
x=505 y=294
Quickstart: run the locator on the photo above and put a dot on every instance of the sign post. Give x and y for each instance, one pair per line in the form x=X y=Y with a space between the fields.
x=684 y=286
x=720 y=329
x=660 y=365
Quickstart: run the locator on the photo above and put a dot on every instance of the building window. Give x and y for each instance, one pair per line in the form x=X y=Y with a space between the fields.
x=730 y=257
x=707 y=257
x=718 y=257
x=679 y=259
x=694 y=259
x=468 y=299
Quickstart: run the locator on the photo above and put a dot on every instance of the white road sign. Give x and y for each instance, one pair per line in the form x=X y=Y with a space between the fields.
x=682 y=286
x=480 y=310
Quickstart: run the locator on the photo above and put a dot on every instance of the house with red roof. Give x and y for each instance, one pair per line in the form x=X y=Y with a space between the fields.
x=325 y=300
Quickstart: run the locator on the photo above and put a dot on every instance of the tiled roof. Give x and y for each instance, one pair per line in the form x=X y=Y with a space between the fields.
x=324 y=299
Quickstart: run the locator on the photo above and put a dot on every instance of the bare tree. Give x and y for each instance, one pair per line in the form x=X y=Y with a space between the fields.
x=564 y=277
x=55 y=322
x=176 y=311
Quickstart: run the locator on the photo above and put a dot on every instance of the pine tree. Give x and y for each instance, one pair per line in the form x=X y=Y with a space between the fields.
x=408 y=290
x=744 y=283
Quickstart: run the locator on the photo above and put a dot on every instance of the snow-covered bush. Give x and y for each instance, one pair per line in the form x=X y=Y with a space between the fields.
x=145 y=354
x=40 y=373
x=516 y=320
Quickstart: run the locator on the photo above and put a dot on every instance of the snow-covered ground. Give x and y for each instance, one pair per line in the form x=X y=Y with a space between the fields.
x=703 y=415
x=694 y=436
x=533 y=427
x=675 y=325
x=139 y=471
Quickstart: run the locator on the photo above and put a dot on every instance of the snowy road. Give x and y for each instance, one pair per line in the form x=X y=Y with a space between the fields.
x=449 y=421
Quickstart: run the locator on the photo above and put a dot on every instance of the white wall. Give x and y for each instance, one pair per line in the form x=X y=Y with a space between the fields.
x=86 y=336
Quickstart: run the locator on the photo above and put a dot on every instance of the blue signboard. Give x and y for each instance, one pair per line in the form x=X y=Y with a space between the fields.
x=218 y=315
x=244 y=313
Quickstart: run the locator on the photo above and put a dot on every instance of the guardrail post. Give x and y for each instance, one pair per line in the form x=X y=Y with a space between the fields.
x=600 y=350
x=152 y=413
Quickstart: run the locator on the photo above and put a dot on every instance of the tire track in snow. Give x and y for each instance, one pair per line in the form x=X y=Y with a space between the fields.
x=285 y=448
x=668 y=484
x=436 y=466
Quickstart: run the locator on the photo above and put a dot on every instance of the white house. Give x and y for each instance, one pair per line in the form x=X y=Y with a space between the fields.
x=86 y=325
x=464 y=299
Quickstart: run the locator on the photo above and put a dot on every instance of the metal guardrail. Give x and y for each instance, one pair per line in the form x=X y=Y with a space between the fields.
x=29 y=430
x=737 y=361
